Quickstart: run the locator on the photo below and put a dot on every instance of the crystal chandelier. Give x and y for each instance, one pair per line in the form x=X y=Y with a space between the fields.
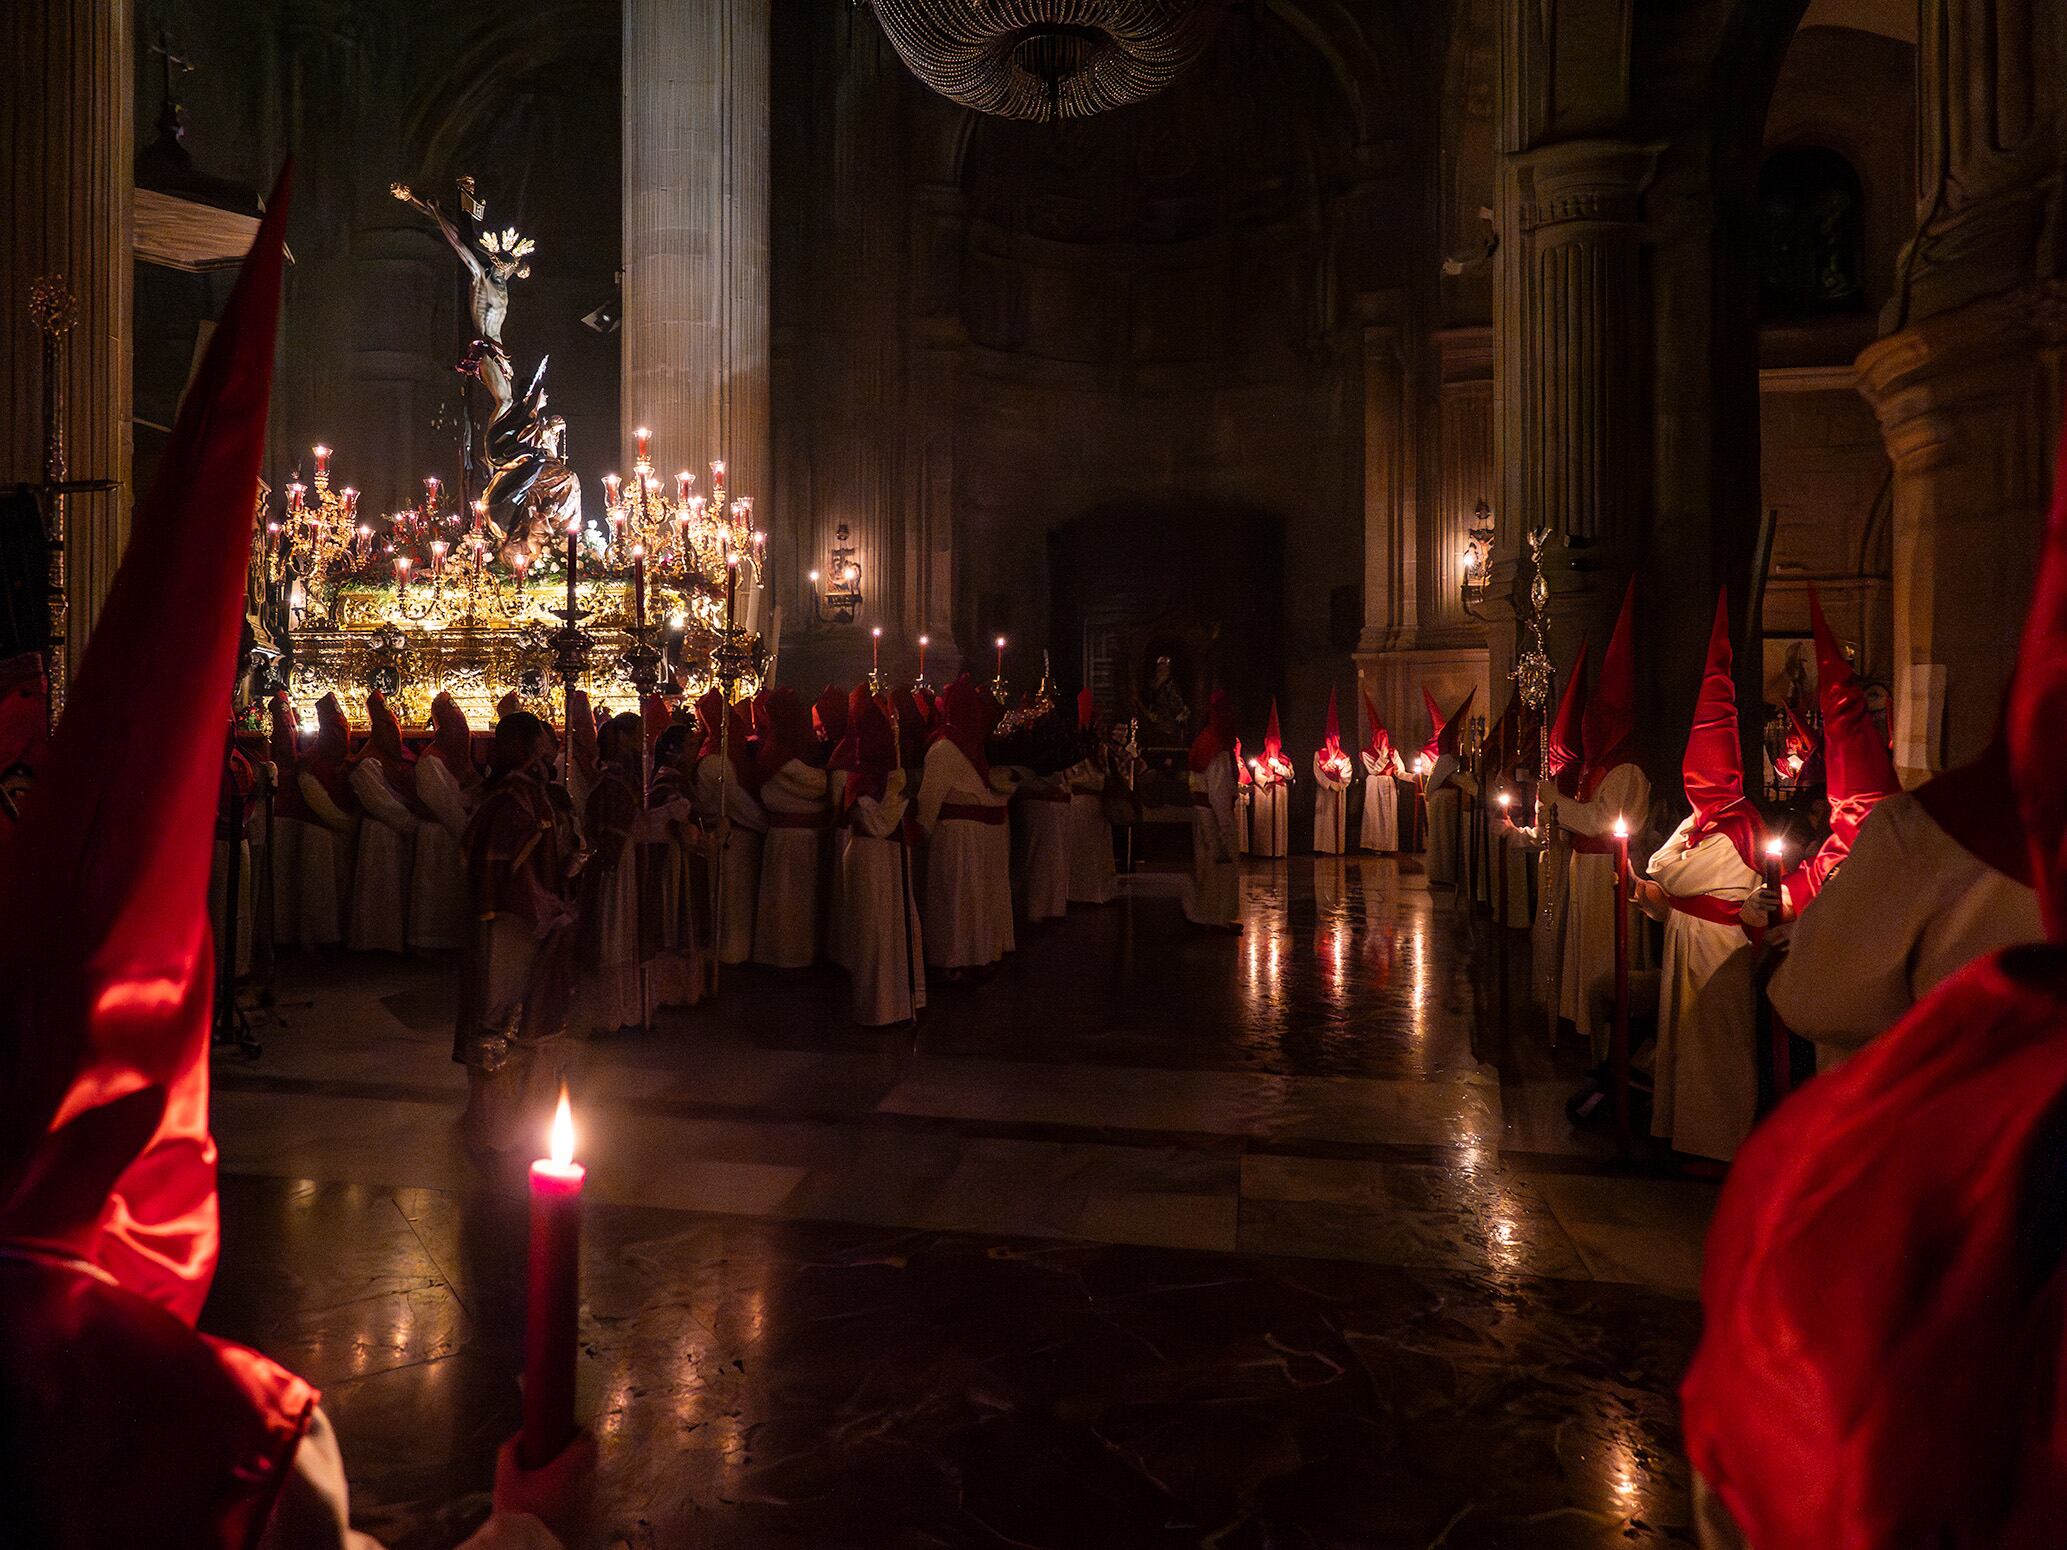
x=1048 y=59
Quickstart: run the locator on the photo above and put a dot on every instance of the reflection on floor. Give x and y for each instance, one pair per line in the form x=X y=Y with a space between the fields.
x=1151 y=1238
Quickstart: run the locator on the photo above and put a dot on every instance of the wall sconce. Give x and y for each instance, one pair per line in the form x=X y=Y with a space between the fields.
x=836 y=592
x=1477 y=557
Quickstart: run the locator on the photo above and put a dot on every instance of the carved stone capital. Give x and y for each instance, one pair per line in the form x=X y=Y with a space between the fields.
x=1586 y=182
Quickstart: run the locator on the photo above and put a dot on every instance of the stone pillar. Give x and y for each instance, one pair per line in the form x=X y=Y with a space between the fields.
x=1966 y=377
x=67 y=117
x=1391 y=585
x=695 y=333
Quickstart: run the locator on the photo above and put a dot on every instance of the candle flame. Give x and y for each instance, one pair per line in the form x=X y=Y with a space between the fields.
x=877 y=632
x=1504 y=799
x=1621 y=828
x=1001 y=643
x=1775 y=849
x=561 y=1147
x=925 y=640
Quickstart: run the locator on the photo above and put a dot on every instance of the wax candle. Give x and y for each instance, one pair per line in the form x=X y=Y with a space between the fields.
x=613 y=486
x=401 y=574
x=552 y=1306
x=1774 y=851
x=1619 y=1038
x=523 y=567
x=480 y=513
x=351 y=502
x=431 y=485
x=295 y=491
x=645 y=439
x=437 y=557
x=731 y=586
x=875 y=648
x=322 y=460
x=923 y=642
x=1001 y=656
x=717 y=473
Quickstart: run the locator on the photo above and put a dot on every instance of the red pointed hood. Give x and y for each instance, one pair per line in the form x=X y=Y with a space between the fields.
x=966 y=723
x=1859 y=769
x=868 y=752
x=1431 y=748
x=106 y=968
x=1380 y=745
x=1331 y=736
x=712 y=714
x=1273 y=740
x=1087 y=710
x=508 y=705
x=1566 y=751
x=1216 y=739
x=1450 y=738
x=1608 y=728
x=788 y=735
x=829 y=717
x=1713 y=768
x=452 y=741
x=384 y=737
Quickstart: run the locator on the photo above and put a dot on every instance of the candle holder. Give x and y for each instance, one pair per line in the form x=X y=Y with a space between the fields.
x=922 y=684
x=836 y=594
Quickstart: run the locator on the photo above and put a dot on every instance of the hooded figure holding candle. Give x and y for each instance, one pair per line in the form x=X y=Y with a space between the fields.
x=610 y=992
x=306 y=877
x=1446 y=790
x=126 y=1425
x=1214 y=773
x=1270 y=794
x=1599 y=782
x=1379 y=828
x=881 y=937
x=962 y=813
x=1704 y=1075
x=739 y=820
x=1332 y=770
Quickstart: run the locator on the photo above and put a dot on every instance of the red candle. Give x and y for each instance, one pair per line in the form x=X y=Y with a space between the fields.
x=322 y=461
x=922 y=656
x=682 y=482
x=553 y=1296
x=351 y=501
x=1619 y=1046
x=1001 y=656
x=875 y=648
x=645 y=438
x=401 y=574
x=1774 y=851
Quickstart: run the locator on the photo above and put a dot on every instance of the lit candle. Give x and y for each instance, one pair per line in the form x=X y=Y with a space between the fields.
x=322 y=461
x=401 y=574
x=639 y=585
x=552 y=1304
x=613 y=487
x=717 y=473
x=480 y=513
x=731 y=586
x=351 y=502
x=431 y=486
x=365 y=540
x=645 y=439
x=523 y=568
x=295 y=491
x=1775 y=850
x=923 y=643
x=875 y=648
x=437 y=557
x=1001 y=656
x=1505 y=801
x=683 y=481
x=1619 y=1037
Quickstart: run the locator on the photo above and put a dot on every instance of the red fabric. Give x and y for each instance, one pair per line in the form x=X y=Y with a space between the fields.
x=1713 y=767
x=384 y=746
x=1429 y=749
x=654 y=718
x=1333 y=758
x=452 y=742
x=1087 y=710
x=284 y=747
x=1608 y=728
x=869 y=751
x=1216 y=738
x=1859 y=769
x=508 y=705
x=1242 y=773
x=711 y=715
x=107 y=965
x=788 y=735
x=1566 y=757
x=967 y=723
x=1804 y=748
x=1380 y=745
x=829 y=717
x=1451 y=737
x=24 y=711
x=1275 y=765
x=2038 y=714
x=581 y=737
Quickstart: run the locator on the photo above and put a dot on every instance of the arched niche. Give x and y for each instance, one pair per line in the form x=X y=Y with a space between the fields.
x=1812 y=233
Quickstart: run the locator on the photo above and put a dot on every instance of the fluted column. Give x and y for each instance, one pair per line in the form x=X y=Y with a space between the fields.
x=1966 y=379
x=695 y=332
x=68 y=111
x=1391 y=587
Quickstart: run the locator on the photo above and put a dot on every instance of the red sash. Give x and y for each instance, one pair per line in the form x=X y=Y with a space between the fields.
x=1706 y=906
x=1590 y=844
x=971 y=812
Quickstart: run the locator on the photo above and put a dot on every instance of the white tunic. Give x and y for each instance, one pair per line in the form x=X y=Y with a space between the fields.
x=1214 y=895
x=885 y=956
x=675 y=971
x=968 y=903
x=305 y=885
x=1041 y=811
x=1330 y=808
x=1706 y=1072
x=1380 y=828
x=379 y=916
x=1909 y=907
x=1092 y=877
x=1270 y=809
x=1589 y=899
x=786 y=924
x=739 y=888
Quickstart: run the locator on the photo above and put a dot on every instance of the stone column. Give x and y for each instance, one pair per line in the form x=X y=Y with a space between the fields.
x=67 y=117
x=1391 y=587
x=1966 y=376
x=695 y=332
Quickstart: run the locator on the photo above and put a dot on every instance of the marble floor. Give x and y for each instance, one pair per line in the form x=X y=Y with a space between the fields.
x=1151 y=1238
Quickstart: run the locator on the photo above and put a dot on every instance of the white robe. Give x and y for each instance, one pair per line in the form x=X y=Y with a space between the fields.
x=968 y=903
x=1330 y=809
x=1041 y=812
x=1092 y=877
x=1706 y=1071
x=675 y=972
x=1214 y=895
x=1909 y=907
x=1270 y=808
x=885 y=957
x=1589 y=899
x=739 y=888
x=1380 y=827
x=305 y=885
x=379 y=916
x=786 y=922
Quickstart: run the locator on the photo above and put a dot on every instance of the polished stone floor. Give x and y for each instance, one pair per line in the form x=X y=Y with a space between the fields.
x=1149 y=1239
